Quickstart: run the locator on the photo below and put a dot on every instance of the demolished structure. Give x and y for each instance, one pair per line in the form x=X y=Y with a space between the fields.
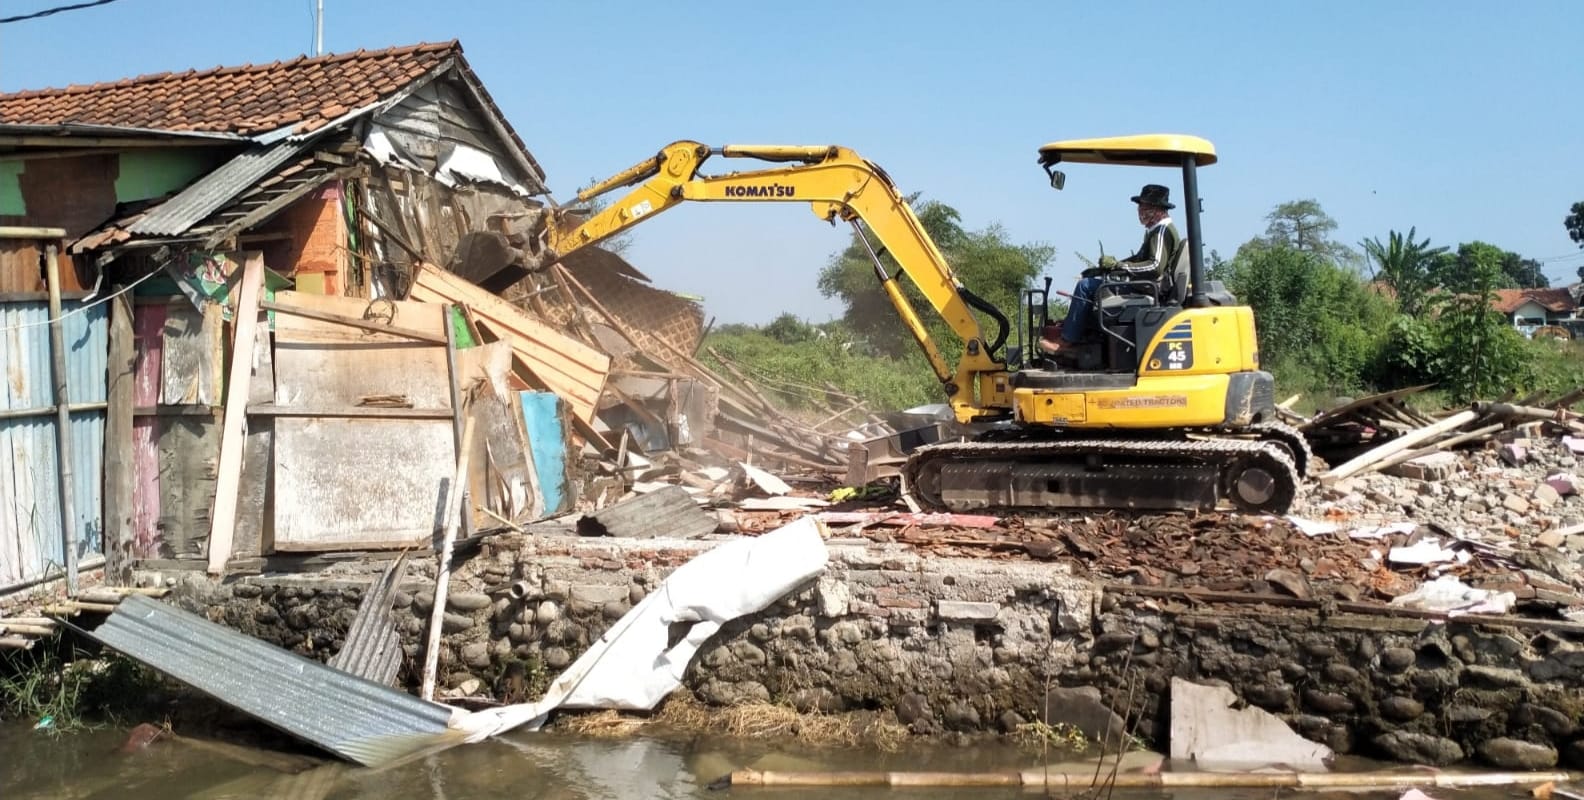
x=284 y=292
x=248 y=314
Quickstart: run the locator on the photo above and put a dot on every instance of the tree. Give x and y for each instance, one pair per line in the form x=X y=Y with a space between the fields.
x=1575 y=227
x=788 y=329
x=1303 y=226
x=1405 y=266
x=1481 y=354
x=1309 y=312
x=986 y=262
x=1460 y=273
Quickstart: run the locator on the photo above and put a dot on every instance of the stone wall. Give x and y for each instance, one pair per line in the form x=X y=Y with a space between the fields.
x=970 y=645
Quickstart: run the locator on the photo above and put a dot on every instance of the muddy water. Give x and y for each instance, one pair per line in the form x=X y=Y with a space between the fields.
x=523 y=766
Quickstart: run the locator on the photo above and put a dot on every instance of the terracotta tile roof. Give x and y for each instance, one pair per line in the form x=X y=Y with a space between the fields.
x=250 y=99
x=1509 y=300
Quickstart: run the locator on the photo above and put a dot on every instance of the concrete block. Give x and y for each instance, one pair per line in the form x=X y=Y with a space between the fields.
x=1514 y=454
x=833 y=597
x=966 y=611
x=1564 y=483
x=1432 y=467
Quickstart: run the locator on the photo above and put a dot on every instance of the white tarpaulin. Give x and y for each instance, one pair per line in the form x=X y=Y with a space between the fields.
x=634 y=666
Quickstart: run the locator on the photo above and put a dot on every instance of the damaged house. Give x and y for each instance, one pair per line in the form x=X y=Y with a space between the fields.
x=284 y=289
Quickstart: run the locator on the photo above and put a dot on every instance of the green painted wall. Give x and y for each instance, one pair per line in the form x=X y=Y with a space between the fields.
x=153 y=173
x=11 y=189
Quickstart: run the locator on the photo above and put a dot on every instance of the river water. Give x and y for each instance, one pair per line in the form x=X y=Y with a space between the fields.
x=526 y=766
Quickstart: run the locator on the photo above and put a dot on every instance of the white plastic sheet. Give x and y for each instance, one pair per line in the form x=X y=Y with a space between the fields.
x=633 y=666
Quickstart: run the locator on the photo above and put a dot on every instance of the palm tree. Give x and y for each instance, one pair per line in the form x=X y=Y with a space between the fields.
x=1404 y=265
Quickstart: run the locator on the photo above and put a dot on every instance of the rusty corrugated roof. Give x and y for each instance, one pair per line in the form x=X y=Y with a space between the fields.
x=354 y=718
x=304 y=93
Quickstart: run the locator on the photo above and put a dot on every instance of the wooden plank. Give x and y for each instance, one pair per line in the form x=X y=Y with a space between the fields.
x=233 y=438
x=408 y=320
x=253 y=493
x=541 y=413
x=570 y=368
x=361 y=324
x=358 y=483
x=19 y=266
x=187 y=457
x=326 y=365
x=458 y=412
x=119 y=513
x=148 y=324
x=190 y=367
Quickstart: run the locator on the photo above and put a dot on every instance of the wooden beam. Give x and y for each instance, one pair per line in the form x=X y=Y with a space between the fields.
x=1398 y=445
x=118 y=478
x=351 y=322
x=374 y=412
x=235 y=426
x=176 y=411
x=453 y=510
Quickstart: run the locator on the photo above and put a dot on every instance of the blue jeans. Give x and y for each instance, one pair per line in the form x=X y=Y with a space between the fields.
x=1078 y=312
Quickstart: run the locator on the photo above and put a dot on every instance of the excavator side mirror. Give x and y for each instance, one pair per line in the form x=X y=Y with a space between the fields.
x=1058 y=179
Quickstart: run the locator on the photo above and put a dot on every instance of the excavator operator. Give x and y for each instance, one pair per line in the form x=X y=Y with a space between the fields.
x=1148 y=264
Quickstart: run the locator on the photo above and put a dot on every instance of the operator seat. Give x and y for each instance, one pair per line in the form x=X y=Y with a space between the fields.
x=1171 y=290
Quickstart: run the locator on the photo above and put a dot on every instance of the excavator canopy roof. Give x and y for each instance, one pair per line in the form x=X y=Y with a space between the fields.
x=1149 y=150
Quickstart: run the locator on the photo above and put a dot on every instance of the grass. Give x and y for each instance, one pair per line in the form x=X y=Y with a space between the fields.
x=682 y=712
x=68 y=696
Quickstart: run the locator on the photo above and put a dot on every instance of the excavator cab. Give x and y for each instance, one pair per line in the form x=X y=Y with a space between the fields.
x=1127 y=311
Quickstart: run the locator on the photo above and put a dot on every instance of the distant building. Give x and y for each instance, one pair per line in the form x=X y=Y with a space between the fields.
x=1531 y=309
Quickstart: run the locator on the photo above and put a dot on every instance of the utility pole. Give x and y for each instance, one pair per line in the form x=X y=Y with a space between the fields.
x=319 y=28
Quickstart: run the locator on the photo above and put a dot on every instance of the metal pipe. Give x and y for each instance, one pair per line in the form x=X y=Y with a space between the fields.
x=44 y=411
x=63 y=453
x=1195 y=241
x=519 y=590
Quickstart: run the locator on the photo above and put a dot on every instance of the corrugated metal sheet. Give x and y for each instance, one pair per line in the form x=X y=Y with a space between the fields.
x=670 y=513
x=190 y=206
x=372 y=648
x=30 y=531
x=354 y=718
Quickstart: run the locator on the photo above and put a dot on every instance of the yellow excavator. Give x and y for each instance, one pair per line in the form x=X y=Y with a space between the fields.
x=1164 y=408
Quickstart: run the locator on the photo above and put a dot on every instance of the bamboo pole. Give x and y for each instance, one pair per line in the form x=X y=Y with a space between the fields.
x=28 y=630
x=1040 y=778
x=1398 y=445
x=15 y=643
x=443 y=575
x=72 y=608
x=27 y=621
x=147 y=591
x=63 y=439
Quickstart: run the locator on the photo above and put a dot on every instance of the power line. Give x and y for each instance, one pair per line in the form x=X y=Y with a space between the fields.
x=50 y=11
x=86 y=305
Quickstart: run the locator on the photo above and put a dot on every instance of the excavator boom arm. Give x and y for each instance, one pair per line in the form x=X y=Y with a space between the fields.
x=839 y=185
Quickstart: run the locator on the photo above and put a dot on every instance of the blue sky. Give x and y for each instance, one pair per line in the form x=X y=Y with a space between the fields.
x=1455 y=117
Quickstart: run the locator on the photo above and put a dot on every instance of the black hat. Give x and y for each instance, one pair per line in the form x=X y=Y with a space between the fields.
x=1154 y=194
